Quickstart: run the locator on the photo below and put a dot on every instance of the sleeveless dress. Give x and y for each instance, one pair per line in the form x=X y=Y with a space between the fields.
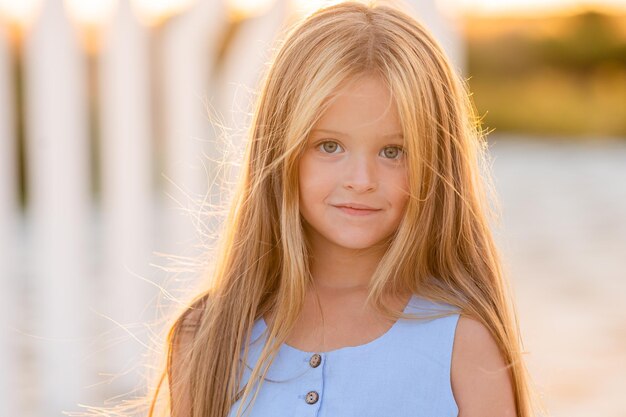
x=403 y=373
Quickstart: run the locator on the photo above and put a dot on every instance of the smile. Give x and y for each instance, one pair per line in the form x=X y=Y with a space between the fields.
x=357 y=212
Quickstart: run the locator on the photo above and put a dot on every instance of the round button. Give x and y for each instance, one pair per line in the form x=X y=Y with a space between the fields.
x=312 y=397
x=315 y=360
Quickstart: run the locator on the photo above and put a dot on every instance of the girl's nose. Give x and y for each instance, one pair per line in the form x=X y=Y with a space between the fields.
x=360 y=175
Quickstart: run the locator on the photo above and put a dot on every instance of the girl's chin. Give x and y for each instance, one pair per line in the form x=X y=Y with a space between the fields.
x=357 y=244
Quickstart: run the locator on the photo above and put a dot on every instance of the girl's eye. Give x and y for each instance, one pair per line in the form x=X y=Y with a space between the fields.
x=390 y=152
x=393 y=152
x=329 y=146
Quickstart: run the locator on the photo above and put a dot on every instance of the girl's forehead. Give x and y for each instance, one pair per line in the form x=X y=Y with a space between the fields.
x=357 y=120
x=394 y=135
x=366 y=101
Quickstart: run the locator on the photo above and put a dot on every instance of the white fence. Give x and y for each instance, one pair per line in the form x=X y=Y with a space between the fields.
x=73 y=267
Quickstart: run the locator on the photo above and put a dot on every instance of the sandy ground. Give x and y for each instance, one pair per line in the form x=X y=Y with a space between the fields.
x=563 y=238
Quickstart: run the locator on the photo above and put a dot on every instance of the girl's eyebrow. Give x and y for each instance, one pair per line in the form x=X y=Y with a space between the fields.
x=391 y=135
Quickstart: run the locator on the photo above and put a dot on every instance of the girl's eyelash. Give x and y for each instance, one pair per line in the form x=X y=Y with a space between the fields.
x=401 y=149
x=320 y=145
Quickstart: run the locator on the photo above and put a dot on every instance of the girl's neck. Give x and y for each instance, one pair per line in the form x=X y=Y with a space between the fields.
x=342 y=269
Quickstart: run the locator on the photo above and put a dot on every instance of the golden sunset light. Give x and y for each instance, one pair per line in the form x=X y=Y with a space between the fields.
x=153 y=12
x=242 y=9
x=525 y=7
x=21 y=13
x=92 y=13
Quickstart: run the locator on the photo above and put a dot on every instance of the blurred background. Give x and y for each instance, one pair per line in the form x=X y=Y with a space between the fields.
x=113 y=115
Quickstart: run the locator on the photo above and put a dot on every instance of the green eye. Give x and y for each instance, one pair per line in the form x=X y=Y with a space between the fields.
x=393 y=152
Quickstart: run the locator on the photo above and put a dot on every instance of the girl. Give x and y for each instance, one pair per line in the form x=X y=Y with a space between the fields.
x=357 y=275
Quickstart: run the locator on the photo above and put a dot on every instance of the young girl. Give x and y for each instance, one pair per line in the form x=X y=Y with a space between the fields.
x=357 y=275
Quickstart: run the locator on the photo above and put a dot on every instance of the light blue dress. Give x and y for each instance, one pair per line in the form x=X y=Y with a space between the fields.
x=403 y=373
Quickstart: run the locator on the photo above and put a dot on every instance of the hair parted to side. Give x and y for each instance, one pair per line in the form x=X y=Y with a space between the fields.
x=443 y=249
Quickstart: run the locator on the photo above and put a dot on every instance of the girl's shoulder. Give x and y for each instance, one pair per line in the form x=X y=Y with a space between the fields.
x=480 y=379
x=189 y=320
x=182 y=337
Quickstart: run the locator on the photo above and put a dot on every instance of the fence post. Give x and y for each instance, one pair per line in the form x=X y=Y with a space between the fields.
x=58 y=173
x=9 y=238
x=127 y=204
x=246 y=59
x=188 y=50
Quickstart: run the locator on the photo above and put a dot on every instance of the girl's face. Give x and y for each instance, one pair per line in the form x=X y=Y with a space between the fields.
x=353 y=172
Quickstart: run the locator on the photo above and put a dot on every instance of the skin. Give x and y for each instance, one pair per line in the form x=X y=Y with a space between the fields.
x=480 y=382
x=358 y=165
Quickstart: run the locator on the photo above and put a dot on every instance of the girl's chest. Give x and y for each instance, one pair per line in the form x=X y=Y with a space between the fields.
x=366 y=385
x=341 y=326
x=404 y=372
x=336 y=333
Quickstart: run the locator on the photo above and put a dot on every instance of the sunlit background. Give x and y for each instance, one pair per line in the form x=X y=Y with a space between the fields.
x=113 y=115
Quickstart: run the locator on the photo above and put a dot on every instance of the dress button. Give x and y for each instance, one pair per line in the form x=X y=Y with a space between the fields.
x=312 y=397
x=315 y=360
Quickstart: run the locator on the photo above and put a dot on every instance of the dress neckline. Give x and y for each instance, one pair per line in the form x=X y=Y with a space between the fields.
x=286 y=347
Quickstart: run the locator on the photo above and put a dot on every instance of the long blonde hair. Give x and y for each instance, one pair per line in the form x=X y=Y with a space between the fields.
x=443 y=249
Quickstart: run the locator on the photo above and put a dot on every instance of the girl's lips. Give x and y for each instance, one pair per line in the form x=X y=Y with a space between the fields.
x=357 y=212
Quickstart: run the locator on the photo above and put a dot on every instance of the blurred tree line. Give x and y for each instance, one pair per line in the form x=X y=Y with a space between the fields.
x=550 y=76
